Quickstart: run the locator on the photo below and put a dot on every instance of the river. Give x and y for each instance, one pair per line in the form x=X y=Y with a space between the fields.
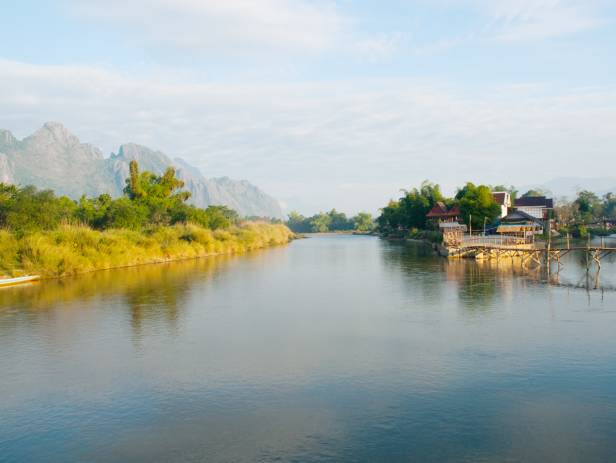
x=334 y=348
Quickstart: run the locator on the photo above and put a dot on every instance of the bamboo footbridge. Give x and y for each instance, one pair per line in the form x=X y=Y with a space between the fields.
x=529 y=253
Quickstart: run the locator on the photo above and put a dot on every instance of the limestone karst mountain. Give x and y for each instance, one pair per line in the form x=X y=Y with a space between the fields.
x=54 y=158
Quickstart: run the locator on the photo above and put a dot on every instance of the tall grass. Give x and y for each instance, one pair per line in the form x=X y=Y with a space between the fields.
x=73 y=249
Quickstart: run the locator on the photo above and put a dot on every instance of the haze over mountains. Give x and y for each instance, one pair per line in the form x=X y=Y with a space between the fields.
x=54 y=158
x=569 y=186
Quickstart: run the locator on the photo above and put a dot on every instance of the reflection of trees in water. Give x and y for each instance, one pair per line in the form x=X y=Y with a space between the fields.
x=419 y=266
x=478 y=283
x=151 y=292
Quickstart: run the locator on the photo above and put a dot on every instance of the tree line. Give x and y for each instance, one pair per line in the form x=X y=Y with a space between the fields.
x=329 y=222
x=148 y=200
x=478 y=208
x=587 y=213
x=476 y=203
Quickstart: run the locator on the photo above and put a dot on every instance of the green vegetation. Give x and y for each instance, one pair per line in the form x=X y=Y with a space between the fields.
x=72 y=249
x=477 y=205
x=331 y=221
x=56 y=236
x=409 y=212
x=587 y=214
x=432 y=236
x=411 y=209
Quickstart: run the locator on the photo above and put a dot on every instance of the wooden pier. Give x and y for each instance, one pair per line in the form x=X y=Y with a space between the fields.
x=530 y=254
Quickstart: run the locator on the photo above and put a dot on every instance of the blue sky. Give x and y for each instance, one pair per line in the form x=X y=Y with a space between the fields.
x=325 y=103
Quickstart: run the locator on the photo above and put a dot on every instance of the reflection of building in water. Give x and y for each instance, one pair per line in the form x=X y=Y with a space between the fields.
x=480 y=283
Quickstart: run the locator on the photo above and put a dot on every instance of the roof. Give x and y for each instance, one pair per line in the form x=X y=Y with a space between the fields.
x=455 y=210
x=535 y=201
x=519 y=216
x=440 y=210
x=500 y=197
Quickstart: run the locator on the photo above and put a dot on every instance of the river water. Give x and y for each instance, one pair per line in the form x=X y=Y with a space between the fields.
x=334 y=348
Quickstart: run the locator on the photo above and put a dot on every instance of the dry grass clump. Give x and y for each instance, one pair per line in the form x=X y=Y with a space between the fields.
x=73 y=249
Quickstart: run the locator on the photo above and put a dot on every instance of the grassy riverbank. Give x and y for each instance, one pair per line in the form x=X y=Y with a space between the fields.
x=72 y=249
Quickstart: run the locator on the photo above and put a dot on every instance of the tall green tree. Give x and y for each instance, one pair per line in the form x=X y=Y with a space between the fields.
x=390 y=218
x=320 y=223
x=609 y=205
x=339 y=221
x=411 y=209
x=477 y=205
x=363 y=222
x=416 y=203
x=298 y=223
x=589 y=206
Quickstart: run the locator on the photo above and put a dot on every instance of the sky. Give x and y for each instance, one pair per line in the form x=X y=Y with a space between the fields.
x=325 y=104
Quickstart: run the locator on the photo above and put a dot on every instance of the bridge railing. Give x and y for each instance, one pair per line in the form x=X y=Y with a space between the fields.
x=495 y=241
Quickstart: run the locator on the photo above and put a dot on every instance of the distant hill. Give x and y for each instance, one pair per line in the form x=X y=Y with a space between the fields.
x=569 y=186
x=54 y=158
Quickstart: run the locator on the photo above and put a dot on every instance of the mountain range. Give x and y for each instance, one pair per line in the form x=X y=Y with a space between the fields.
x=568 y=187
x=54 y=158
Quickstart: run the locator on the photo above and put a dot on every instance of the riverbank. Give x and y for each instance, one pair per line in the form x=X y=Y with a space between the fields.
x=71 y=250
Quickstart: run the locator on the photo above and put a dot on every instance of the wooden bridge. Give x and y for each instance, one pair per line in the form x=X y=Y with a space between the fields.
x=529 y=253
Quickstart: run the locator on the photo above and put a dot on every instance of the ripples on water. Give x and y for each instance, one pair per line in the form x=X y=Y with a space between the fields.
x=335 y=348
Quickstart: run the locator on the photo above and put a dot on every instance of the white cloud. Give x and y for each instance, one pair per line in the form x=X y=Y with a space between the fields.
x=538 y=19
x=518 y=21
x=222 y=25
x=377 y=48
x=305 y=140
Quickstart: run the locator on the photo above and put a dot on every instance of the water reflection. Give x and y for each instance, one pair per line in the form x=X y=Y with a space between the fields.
x=150 y=293
x=335 y=348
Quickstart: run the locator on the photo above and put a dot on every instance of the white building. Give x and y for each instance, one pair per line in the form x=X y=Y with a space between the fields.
x=536 y=206
x=503 y=199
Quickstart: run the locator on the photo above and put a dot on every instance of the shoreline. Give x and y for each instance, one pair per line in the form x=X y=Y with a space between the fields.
x=33 y=279
x=74 y=250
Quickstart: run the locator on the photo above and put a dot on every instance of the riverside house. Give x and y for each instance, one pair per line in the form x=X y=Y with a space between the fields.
x=440 y=213
x=538 y=207
x=448 y=222
x=520 y=225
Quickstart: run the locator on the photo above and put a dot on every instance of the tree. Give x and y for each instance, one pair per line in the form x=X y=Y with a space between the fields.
x=415 y=204
x=411 y=209
x=535 y=192
x=320 y=223
x=93 y=212
x=566 y=212
x=589 y=205
x=477 y=205
x=363 y=222
x=391 y=217
x=339 y=221
x=609 y=205
x=124 y=213
x=221 y=217
x=28 y=209
x=133 y=185
x=160 y=194
x=298 y=223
